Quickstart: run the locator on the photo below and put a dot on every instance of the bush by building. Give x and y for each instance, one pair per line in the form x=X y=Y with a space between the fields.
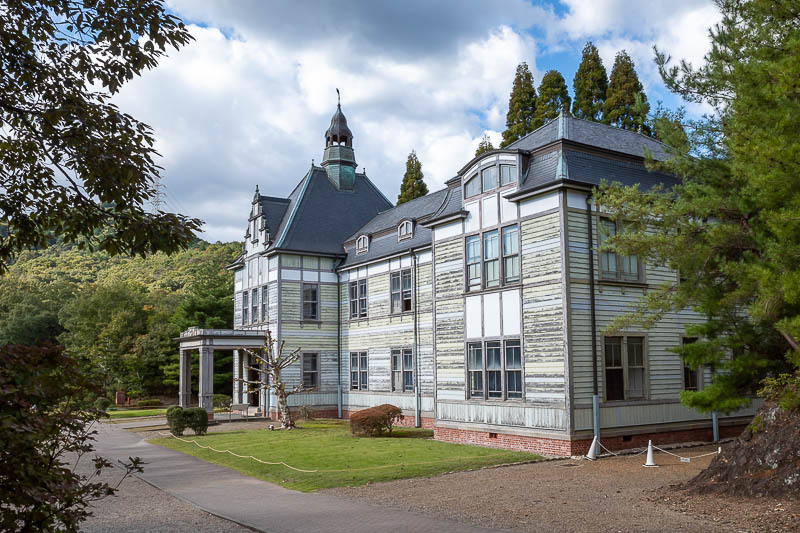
x=373 y=421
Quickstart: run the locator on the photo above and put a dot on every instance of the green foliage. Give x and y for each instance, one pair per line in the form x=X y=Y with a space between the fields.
x=553 y=98
x=484 y=146
x=222 y=401
x=175 y=420
x=152 y=402
x=730 y=227
x=521 y=107
x=306 y=412
x=74 y=164
x=413 y=185
x=196 y=418
x=46 y=419
x=590 y=85
x=373 y=421
x=102 y=403
x=621 y=107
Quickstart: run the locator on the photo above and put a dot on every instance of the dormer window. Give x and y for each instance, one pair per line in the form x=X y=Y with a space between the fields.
x=472 y=187
x=508 y=174
x=405 y=230
x=362 y=244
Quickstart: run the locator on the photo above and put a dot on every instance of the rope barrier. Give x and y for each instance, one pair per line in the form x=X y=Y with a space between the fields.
x=324 y=470
x=687 y=459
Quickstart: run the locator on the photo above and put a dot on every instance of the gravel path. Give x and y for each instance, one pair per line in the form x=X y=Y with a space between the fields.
x=139 y=507
x=615 y=494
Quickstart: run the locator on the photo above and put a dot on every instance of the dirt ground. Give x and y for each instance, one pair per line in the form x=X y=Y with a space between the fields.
x=612 y=494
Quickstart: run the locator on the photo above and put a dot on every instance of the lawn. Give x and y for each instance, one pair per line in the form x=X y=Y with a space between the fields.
x=133 y=413
x=339 y=459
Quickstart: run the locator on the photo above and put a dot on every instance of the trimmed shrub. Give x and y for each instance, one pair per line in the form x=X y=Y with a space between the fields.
x=222 y=401
x=373 y=421
x=152 y=402
x=101 y=403
x=197 y=419
x=306 y=412
x=176 y=420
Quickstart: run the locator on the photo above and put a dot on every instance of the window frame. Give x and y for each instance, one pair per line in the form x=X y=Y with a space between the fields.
x=357 y=297
x=625 y=367
x=619 y=259
x=397 y=355
x=502 y=344
x=245 y=306
x=265 y=303
x=501 y=258
x=254 y=305
x=362 y=244
x=316 y=371
x=405 y=230
x=699 y=372
x=303 y=302
x=477 y=178
x=361 y=372
x=401 y=274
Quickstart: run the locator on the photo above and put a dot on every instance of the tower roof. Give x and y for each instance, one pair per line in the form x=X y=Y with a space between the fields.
x=338 y=130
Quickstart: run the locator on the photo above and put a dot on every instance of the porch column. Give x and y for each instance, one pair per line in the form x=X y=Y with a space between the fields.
x=237 y=374
x=185 y=379
x=246 y=375
x=263 y=394
x=207 y=378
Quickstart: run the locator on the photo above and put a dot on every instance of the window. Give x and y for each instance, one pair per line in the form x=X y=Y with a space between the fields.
x=624 y=368
x=362 y=244
x=325 y=263
x=264 y=299
x=472 y=186
x=310 y=301
x=358 y=371
x=692 y=377
x=310 y=263
x=245 y=307
x=508 y=174
x=401 y=291
x=310 y=370
x=491 y=262
x=612 y=265
x=489 y=178
x=474 y=262
x=494 y=370
x=402 y=370
x=254 y=304
x=404 y=230
x=510 y=254
x=358 y=299
x=291 y=261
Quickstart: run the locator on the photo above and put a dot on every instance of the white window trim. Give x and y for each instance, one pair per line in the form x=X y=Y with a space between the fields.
x=362 y=244
x=405 y=230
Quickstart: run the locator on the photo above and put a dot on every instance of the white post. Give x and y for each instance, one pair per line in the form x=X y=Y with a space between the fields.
x=207 y=378
x=237 y=374
x=245 y=375
x=185 y=379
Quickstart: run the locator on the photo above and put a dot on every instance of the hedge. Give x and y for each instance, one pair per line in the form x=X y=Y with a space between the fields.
x=179 y=419
x=101 y=404
x=152 y=402
x=371 y=422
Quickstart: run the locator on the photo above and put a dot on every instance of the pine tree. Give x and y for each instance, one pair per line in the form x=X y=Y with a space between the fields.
x=553 y=98
x=484 y=146
x=413 y=185
x=521 y=106
x=590 y=84
x=620 y=107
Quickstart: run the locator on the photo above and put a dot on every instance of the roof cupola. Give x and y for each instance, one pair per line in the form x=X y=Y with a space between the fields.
x=339 y=159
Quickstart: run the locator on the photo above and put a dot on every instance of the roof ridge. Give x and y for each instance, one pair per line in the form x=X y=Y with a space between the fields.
x=615 y=128
x=529 y=134
x=376 y=189
x=305 y=181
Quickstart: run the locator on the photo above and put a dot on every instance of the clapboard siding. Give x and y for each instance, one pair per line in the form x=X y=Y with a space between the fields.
x=448 y=272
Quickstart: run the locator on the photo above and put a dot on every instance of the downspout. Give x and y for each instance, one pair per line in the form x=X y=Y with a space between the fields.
x=593 y=320
x=417 y=400
x=338 y=342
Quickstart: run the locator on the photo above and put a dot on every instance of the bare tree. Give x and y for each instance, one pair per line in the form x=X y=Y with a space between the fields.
x=271 y=361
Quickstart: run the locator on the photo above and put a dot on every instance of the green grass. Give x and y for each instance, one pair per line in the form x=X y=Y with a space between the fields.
x=343 y=460
x=133 y=413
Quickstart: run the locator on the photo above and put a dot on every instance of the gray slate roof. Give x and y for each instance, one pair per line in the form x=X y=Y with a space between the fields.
x=592 y=134
x=419 y=209
x=319 y=217
x=274 y=210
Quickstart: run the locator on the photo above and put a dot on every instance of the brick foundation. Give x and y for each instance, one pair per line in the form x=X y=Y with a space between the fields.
x=408 y=421
x=559 y=447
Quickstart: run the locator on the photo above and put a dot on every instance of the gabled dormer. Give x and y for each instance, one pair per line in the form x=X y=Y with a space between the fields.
x=362 y=244
x=405 y=229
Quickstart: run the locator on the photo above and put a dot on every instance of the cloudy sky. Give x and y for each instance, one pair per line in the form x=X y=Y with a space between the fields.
x=249 y=100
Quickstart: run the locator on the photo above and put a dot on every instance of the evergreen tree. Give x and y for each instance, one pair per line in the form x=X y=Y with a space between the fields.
x=484 y=146
x=553 y=98
x=413 y=185
x=521 y=106
x=620 y=107
x=590 y=84
x=730 y=227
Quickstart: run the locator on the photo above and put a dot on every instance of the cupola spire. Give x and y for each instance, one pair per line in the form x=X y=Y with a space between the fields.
x=339 y=159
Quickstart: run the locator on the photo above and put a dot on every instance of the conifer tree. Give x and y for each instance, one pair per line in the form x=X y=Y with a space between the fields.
x=521 y=106
x=590 y=84
x=553 y=98
x=620 y=108
x=413 y=185
x=484 y=146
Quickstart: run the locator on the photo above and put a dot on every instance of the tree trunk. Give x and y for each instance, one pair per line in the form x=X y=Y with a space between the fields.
x=287 y=421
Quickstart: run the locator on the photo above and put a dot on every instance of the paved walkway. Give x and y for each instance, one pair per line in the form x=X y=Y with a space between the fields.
x=254 y=503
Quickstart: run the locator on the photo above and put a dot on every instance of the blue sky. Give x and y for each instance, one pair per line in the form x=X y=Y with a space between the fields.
x=249 y=100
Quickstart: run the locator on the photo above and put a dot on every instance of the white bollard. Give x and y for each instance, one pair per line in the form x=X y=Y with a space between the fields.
x=592 y=455
x=650 y=461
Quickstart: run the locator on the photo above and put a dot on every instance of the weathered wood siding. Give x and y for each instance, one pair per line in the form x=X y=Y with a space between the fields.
x=448 y=287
